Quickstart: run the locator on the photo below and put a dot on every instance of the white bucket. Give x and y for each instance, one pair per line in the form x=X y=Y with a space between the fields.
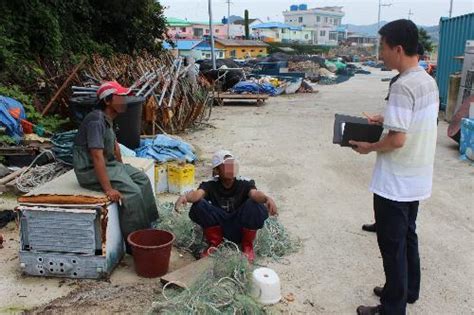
x=266 y=286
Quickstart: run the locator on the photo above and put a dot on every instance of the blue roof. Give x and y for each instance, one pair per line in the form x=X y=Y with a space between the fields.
x=182 y=44
x=341 y=28
x=277 y=25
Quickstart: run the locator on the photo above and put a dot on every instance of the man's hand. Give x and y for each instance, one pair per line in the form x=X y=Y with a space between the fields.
x=361 y=147
x=181 y=202
x=375 y=119
x=114 y=195
x=271 y=206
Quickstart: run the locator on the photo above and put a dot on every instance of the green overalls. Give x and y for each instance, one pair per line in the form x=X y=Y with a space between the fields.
x=138 y=208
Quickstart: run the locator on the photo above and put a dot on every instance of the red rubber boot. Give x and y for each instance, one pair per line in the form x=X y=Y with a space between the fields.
x=248 y=237
x=214 y=238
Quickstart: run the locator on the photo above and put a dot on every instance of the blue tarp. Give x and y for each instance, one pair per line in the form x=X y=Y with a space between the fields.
x=254 y=88
x=165 y=149
x=466 y=144
x=12 y=125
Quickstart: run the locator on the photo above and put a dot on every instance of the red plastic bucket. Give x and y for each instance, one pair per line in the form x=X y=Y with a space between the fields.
x=151 y=251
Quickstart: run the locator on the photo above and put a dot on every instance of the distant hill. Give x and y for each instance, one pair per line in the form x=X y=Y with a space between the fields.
x=372 y=29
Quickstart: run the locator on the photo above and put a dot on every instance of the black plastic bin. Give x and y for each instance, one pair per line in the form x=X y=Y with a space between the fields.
x=129 y=124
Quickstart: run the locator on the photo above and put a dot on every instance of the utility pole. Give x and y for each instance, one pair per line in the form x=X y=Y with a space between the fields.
x=211 y=33
x=228 y=18
x=377 y=48
x=450 y=8
x=410 y=14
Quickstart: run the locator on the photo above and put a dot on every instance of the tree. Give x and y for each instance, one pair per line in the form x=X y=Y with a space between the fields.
x=425 y=40
x=246 y=23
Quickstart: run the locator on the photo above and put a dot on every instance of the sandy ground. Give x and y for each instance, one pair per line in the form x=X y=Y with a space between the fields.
x=321 y=190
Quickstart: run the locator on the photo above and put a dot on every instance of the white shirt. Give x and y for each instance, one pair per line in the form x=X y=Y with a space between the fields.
x=406 y=174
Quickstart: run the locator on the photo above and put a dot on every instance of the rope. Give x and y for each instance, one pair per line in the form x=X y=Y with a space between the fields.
x=33 y=177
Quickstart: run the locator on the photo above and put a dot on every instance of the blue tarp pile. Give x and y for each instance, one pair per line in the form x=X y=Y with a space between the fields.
x=254 y=88
x=12 y=125
x=62 y=146
x=466 y=144
x=165 y=149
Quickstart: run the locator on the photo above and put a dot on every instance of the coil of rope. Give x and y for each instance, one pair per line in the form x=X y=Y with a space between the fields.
x=35 y=176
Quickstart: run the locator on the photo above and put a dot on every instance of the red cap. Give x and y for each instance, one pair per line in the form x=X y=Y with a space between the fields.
x=111 y=87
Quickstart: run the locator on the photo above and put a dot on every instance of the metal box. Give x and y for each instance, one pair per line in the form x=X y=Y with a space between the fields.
x=70 y=241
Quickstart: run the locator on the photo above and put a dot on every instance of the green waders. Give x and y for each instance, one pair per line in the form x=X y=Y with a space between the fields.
x=138 y=208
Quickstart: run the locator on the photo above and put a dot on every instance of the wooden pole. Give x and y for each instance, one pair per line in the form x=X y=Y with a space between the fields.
x=65 y=84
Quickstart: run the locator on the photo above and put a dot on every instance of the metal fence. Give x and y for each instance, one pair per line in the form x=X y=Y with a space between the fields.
x=454 y=32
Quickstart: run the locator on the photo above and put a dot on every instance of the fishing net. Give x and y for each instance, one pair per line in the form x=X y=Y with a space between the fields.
x=273 y=241
x=223 y=289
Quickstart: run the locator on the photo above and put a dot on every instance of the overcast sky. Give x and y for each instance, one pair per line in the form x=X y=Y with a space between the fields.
x=361 y=12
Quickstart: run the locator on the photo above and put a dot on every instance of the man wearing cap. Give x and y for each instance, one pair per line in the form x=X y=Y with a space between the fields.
x=228 y=206
x=98 y=164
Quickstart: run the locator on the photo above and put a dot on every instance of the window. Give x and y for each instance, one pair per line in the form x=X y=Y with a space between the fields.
x=198 y=32
x=294 y=32
x=261 y=50
x=336 y=21
x=233 y=53
x=217 y=30
x=183 y=29
x=333 y=36
x=322 y=33
x=243 y=50
x=252 y=50
x=306 y=36
x=326 y=19
x=300 y=19
x=207 y=31
x=318 y=18
x=331 y=21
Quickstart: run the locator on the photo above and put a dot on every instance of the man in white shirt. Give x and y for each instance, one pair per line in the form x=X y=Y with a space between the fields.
x=404 y=168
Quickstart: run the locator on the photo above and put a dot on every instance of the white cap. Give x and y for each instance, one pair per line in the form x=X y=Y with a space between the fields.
x=218 y=157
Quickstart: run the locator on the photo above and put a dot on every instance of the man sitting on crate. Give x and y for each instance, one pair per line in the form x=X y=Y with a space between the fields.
x=98 y=164
x=228 y=206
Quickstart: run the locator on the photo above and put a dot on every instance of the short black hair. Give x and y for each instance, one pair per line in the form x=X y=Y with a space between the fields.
x=401 y=32
x=101 y=103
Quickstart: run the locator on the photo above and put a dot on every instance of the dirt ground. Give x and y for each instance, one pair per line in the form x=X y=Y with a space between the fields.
x=322 y=193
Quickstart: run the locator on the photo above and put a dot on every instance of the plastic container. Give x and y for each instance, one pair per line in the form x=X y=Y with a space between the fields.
x=180 y=178
x=161 y=178
x=151 y=251
x=266 y=286
x=130 y=123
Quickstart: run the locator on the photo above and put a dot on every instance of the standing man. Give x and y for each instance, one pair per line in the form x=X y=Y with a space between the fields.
x=420 y=52
x=403 y=171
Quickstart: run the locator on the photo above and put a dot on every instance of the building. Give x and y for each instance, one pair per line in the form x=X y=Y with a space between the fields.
x=242 y=49
x=201 y=29
x=323 y=21
x=358 y=39
x=198 y=49
x=237 y=28
x=183 y=29
x=276 y=32
x=179 y=29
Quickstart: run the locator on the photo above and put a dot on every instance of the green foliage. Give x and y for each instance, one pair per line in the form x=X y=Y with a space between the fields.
x=51 y=123
x=425 y=39
x=33 y=30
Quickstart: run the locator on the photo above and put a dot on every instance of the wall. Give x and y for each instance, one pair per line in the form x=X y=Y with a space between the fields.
x=243 y=52
x=184 y=32
x=454 y=33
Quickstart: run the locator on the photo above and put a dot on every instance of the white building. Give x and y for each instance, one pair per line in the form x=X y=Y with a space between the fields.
x=237 y=29
x=325 y=21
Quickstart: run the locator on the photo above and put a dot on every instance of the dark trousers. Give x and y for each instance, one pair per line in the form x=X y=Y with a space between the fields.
x=398 y=243
x=250 y=215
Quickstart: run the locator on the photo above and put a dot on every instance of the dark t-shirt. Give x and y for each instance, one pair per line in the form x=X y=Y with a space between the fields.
x=227 y=199
x=92 y=129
